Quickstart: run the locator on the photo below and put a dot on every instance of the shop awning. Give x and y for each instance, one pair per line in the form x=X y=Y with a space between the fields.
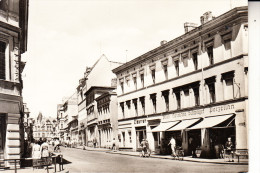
x=184 y=124
x=164 y=126
x=211 y=121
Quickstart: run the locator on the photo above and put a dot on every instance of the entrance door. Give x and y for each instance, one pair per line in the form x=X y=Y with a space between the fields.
x=140 y=135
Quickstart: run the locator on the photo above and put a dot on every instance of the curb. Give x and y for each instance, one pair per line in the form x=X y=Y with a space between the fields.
x=198 y=161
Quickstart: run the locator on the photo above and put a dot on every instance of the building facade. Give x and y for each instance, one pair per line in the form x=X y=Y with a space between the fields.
x=194 y=86
x=96 y=85
x=69 y=109
x=45 y=127
x=13 y=43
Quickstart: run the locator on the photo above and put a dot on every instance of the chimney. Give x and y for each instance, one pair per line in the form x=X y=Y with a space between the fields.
x=163 y=42
x=206 y=17
x=189 y=26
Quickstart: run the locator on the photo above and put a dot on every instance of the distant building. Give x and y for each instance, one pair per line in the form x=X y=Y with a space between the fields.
x=69 y=112
x=97 y=84
x=60 y=122
x=45 y=127
x=194 y=86
x=13 y=43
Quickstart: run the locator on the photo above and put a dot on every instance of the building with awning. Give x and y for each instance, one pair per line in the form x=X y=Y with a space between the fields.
x=193 y=87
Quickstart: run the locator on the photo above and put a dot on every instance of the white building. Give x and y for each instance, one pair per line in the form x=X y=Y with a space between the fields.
x=192 y=86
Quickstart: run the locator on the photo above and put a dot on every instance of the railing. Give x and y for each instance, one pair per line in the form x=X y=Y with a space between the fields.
x=52 y=157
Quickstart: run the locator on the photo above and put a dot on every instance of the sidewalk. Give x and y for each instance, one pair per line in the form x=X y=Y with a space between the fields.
x=187 y=158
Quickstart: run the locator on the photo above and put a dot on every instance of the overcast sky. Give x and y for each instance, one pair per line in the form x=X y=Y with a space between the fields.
x=65 y=36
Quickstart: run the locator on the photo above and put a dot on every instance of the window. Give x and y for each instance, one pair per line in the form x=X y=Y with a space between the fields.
x=135 y=106
x=165 y=95
x=127 y=82
x=153 y=75
x=211 y=89
x=178 y=98
x=122 y=85
x=142 y=79
x=176 y=64
x=228 y=82
x=186 y=97
x=2 y=60
x=153 y=98
x=196 y=96
x=210 y=55
x=128 y=104
x=142 y=101
x=227 y=45
x=165 y=69
x=135 y=83
x=195 y=60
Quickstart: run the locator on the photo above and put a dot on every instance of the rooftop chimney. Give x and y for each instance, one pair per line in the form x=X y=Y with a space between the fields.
x=189 y=26
x=206 y=17
x=163 y=42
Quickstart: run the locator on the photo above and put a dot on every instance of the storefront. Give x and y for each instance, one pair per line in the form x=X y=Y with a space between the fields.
x=208 y=128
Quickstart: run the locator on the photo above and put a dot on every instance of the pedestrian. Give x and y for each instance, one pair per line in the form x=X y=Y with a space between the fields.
x=40 y=141
x=173 y=146
x=193 y=147
x=56 y=145
x=45 y=148
x=144 y=147
x=94 y=142
x=36 y=150
x=229 y=148
x=114 y=144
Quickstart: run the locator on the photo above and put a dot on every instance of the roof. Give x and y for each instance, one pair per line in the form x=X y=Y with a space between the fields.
x=210 y=25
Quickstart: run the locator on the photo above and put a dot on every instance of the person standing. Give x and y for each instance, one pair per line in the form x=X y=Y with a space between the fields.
x=36 y=150
x=114 y=144
x=229 y=148
x=173 y=146
x=193 y=146
x=45 y=148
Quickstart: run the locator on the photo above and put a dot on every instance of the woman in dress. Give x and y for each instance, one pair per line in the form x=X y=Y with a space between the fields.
x=45 y=148
x=36 y=150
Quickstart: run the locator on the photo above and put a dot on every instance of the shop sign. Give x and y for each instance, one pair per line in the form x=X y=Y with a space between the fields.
x=222 y=108
x=184 y=114
x=140 y=121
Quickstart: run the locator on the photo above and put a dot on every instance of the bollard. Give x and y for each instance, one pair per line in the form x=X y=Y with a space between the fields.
x=55 y=163
x=15 y=170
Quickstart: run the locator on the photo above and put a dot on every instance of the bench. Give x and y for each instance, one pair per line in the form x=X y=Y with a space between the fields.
x=241 y=153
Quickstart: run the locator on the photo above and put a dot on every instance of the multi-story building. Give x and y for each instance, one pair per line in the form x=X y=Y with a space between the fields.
x=82 y=113
x=98 y=84
x=194 y=86
x=13 y=43
x=44 y=127
x=70 y=113
x=60 y=122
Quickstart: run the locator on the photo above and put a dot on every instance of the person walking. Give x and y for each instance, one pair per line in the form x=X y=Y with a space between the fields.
x=173 y=146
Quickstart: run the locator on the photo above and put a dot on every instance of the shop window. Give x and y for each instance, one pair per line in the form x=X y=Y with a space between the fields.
x=153 y=98
x=122 y=108
x=142 y=79
x=142 y=101
x=153 y=75
x=2 y=60
x=165 y=69
x=195 y=60
x=135 y=106
x=176 y=64
x=228 y=82
x=165 y=95
x=210 y=55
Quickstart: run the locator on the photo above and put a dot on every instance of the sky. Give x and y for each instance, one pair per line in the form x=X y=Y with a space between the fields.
x=66 y=36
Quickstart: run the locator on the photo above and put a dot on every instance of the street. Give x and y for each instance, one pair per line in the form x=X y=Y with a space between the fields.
x=98 y=161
